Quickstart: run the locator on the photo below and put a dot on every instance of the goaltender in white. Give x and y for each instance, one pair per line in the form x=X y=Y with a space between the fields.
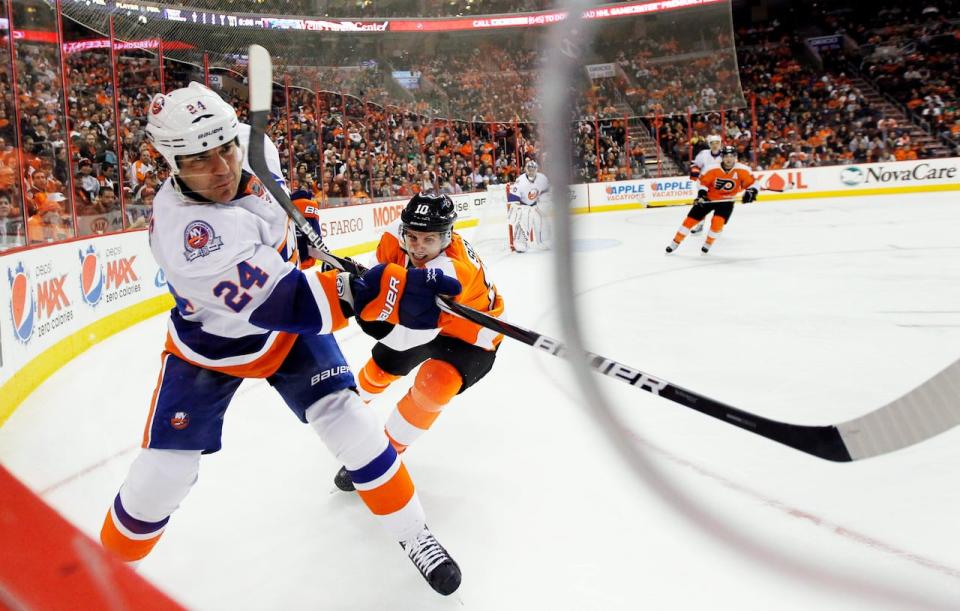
x=528 y=224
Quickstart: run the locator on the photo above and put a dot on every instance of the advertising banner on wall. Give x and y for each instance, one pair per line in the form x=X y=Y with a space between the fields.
x=620 y=194
x=48 y=293
x=358 y=226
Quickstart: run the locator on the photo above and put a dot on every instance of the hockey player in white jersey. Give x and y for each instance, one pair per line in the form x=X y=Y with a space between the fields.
x=705 y=159
x=527 y=220
x=245 y=310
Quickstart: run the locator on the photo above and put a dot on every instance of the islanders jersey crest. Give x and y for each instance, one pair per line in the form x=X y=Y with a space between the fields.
x=199 y=240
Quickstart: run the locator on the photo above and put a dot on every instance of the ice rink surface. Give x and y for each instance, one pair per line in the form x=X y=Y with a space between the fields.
x=811 y=312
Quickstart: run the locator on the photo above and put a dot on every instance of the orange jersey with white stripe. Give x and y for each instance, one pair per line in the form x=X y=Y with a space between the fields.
x=458 y=260
x=725 y=184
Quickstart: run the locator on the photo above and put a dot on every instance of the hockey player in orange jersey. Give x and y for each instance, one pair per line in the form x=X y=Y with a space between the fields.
x=718 y=187
x=452 y=357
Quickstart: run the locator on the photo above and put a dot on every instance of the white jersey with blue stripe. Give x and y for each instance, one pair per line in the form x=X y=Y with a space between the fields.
x=232 y=270
x=527 y=192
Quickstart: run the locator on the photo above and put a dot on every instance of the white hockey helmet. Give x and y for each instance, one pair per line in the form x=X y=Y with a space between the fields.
x=713 y=138
x=189 y=121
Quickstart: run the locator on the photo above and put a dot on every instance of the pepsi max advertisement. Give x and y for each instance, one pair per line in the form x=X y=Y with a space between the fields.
x=49 y=293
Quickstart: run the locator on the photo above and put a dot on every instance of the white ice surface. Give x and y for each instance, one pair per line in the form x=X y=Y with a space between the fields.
x=809 y=312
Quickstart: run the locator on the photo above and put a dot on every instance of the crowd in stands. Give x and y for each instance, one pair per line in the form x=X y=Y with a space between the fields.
x=910 y=52
x=380 y=8
x=364 y=138
x=810 y=116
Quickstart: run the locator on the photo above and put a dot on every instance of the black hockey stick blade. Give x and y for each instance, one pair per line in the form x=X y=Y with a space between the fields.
x=260 y=79
x=928 y=410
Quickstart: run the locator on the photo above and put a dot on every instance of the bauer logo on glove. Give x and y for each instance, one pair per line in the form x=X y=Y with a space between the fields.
x=391 y=293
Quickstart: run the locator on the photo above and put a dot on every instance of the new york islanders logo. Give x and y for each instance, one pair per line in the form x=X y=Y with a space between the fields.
x=255 y=187
x=199 y=240
x=22 y=303
x=91 y=277
x=180 y=420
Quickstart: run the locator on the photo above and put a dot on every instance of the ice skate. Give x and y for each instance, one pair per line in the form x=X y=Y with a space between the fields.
x=433 y=562
x=343 y=481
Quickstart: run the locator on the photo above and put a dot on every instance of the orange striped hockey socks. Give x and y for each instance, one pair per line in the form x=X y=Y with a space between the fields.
x=436 y=383
x=128 y=537
x=682 y=233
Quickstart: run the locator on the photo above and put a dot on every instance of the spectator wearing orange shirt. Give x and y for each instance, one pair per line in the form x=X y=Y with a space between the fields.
x=38 y=189
x=47 y=224
x=140 y=168
x=358 y=195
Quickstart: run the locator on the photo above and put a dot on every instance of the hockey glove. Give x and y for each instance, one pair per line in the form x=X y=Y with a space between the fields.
x=307 y=207
x=394 y=294
x=750 y=195
x=694 y=173
x=701 y=197
x=349 y=264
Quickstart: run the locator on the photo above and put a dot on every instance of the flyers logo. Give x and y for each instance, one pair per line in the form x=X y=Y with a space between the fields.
x=724 y=184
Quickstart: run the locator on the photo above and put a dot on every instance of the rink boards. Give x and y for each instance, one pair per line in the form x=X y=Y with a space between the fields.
x=59 y=300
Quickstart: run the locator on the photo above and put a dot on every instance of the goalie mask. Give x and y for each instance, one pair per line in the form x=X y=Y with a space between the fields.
x=531 y=169
x=429 y=213
x=189 y=121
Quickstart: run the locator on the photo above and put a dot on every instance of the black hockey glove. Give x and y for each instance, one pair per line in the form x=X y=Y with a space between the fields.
x=701 y=197
x=750 y=195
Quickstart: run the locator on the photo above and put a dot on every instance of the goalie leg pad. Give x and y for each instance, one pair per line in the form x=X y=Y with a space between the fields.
x=436 y=384
x=157 y=482
x=520 y=227
x=537 y=226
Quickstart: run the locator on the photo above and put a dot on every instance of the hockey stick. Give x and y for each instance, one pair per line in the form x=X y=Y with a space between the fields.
x=928 y=410
x=260 y=76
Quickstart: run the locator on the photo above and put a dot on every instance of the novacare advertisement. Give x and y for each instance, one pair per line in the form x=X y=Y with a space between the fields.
x=906 y=173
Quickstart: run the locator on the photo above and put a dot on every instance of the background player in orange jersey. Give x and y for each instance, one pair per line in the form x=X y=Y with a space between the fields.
x=718 y=187
x=452 y=357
